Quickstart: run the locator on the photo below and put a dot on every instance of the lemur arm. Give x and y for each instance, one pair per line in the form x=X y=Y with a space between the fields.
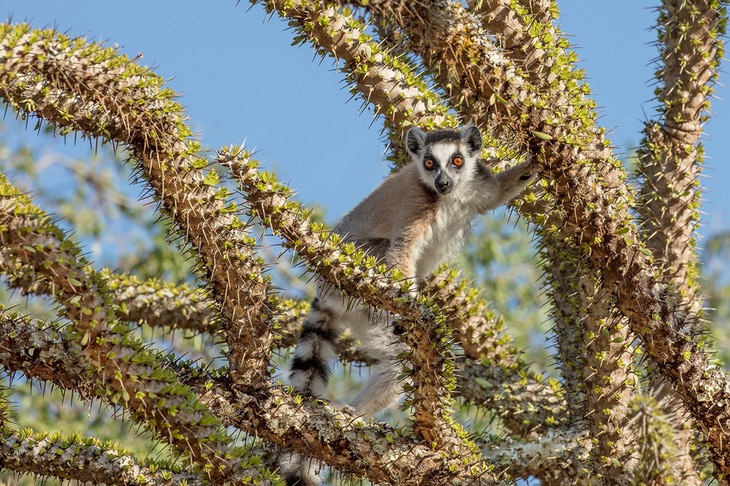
x=402 y=255
x=498 y=189
x=406 y=247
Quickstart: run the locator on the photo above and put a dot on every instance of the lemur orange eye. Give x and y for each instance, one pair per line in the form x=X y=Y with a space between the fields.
x=428 y=163
x=457 y=161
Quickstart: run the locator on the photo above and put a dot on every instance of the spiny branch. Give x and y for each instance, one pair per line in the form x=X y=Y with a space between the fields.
x=83 y=87
x=670 y=157
x=160 y=304
x=121 y=366
x=556 y=452
x=493 y=374
x=75 y=458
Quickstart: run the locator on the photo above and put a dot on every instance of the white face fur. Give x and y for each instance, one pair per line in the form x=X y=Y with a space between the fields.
x=446 y=159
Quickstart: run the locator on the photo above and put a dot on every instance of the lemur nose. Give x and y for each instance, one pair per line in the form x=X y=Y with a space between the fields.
x=444 y=185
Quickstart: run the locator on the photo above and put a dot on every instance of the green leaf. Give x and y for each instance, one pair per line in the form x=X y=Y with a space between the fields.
x=542 y=135
x=211 y=179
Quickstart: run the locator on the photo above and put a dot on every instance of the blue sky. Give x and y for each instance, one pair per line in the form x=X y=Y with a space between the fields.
x=240 y=79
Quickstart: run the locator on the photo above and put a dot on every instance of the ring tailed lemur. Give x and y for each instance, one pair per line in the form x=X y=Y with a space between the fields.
x=415 y=220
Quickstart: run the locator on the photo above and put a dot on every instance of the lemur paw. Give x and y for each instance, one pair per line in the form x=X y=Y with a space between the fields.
x=531 y=169
x=344 y=408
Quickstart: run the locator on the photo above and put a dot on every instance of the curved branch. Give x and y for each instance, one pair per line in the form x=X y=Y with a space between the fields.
x=376 y=451
x=161 y=304
x=670 y=157
x=559 y=452
x=121 y=367
x=493 y=374
x=659 y=458
x=82 y=87
x=526 y=34
x=525 y=403
x=79 y=459
x=596 y=351
x=155 y=303
x=477 y=329
x=41 y=351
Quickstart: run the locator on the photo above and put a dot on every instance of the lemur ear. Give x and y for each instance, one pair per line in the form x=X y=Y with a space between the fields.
x=415 y=142
x=473 y=138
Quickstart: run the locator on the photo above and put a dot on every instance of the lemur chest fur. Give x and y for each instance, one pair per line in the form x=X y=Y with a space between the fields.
x=445 y=236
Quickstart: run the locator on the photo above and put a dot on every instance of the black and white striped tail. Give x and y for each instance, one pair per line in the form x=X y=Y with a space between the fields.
x=310 y=370
x=316 y=349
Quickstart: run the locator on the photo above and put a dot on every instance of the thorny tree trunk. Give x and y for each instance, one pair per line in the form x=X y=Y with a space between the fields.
x=502 y=64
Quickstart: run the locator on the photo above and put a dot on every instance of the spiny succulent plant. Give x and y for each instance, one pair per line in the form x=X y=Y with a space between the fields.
x=625 y=301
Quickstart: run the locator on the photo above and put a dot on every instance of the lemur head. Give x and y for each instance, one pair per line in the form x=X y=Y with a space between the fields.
x=445 y=158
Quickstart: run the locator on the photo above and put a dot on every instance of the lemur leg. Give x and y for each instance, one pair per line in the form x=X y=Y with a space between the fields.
x=384 y=386
x=383 y=389
x=402 y=255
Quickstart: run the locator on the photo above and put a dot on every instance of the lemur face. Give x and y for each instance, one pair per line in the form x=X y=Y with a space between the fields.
x=445 y=158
